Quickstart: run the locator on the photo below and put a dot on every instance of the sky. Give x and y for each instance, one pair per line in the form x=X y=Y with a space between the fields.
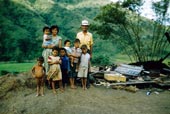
x=146 y=9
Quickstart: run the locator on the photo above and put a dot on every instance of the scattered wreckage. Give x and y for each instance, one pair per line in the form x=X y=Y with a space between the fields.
x=130 y=77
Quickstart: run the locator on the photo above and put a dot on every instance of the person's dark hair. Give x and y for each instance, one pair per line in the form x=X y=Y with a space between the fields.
x=63 y=50
x=66 y=41
x=53 y=27
x=84 y=46
x=76 y=41
x=46 y=27
x=41 y=59
x=55 y=48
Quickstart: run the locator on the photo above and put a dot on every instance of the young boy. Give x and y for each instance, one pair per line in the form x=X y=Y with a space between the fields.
x=65 y=66
x=38 y=72
x=46 y=37
x=76 y=53
x=84 y=66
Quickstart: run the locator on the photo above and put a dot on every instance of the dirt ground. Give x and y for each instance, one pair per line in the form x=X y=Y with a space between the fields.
x=96 y=100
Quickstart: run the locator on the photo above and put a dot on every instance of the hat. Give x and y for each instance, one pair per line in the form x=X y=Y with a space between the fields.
x=84 y=22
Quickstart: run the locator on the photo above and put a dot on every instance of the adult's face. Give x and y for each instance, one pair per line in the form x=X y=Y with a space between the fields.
x=84 y=28
x=54 y=31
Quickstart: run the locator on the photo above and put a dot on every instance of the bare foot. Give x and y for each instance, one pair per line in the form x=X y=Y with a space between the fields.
x=37 y=95
x=72 y=87
x=62 y=90
x=54 y=91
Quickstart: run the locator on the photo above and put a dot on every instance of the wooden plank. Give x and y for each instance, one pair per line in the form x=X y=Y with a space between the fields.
x=132 y=83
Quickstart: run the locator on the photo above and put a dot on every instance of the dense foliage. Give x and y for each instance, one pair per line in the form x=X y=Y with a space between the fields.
x=22 y=22
x=140 y=39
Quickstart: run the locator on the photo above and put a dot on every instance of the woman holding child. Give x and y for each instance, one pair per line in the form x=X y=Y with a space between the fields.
x=56 y=41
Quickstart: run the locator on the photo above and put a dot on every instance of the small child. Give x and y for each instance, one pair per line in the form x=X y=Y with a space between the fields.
x=84 y=66
x=38 y=72
x=76 y=53
x=54 y=73
x=69 y=51
x=65 y=66
x=47 y=40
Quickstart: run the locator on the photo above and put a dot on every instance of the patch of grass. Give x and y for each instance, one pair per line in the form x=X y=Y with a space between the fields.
x=16 y=67
x=120 y=58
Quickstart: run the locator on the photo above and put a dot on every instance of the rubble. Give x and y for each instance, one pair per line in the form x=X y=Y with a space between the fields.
x=128 y=77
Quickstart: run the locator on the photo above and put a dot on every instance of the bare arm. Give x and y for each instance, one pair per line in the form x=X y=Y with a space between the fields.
x=33 y=71
x=56 y=62
x=47 y=47
x=91 y=50
x=60 y=43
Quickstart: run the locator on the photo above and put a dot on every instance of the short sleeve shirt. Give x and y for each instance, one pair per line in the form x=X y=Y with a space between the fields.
x=84 y=62
x=55 y=40
x=77 y=52
x=86 y=39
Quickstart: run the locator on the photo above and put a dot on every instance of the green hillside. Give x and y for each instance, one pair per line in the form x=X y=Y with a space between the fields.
x=22 y=22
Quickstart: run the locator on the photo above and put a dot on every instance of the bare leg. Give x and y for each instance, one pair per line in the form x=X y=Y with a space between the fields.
x=53 y=87
x=74 y=87
x=85 y=82
x=71 y=83
x=42 y=87
x=38 y=87
x=82 y=82
x=61 y=86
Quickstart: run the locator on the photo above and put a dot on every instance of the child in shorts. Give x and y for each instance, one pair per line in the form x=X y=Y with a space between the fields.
x=84 y=66
x=76 y=53
x=38 y=72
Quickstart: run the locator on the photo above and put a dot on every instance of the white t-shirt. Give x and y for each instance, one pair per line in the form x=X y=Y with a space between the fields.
x=84 y=62
x=68 y=49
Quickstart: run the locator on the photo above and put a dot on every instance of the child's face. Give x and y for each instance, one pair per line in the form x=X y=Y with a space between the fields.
x=76 y=45
x=39 y=63
x=55 y=52
x=84 y=50
x=68 y=44
x=47 y=31
x=62 y=53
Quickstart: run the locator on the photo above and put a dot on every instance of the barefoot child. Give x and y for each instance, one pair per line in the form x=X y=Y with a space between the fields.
x=84 y=66
x=65 y=66
x=38 y=72
x=54 y=73
x=76 y=53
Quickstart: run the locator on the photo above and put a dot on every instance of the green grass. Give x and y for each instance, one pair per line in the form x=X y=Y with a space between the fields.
x=120 y=58
x=16 y=67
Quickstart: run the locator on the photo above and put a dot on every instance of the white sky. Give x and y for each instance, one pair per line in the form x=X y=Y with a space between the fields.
x=146 y=9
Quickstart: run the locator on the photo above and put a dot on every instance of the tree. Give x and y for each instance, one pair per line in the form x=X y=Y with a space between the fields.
x=135 y=36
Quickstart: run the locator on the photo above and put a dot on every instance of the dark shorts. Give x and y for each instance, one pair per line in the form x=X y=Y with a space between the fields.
x=73 y=73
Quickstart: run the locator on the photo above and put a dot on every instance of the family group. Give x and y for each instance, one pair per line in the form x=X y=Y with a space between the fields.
x=63 y=64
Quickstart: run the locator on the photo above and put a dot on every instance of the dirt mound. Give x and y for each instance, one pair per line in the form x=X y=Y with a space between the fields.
x=11 y=82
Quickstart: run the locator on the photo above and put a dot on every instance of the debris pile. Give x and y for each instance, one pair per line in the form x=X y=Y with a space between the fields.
x=130 y=77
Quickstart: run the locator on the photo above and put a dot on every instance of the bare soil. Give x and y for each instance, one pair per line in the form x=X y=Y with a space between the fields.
x=20 y=99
